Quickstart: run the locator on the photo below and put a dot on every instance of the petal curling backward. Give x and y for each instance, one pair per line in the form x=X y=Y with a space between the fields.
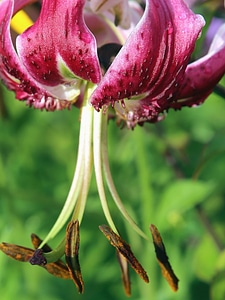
x=50 y=68
x=202 y=75
x=152 y=62
x=59 y=47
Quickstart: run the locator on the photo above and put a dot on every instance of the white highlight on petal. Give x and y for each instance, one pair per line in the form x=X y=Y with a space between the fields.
x=219 y=40
x=68 y=92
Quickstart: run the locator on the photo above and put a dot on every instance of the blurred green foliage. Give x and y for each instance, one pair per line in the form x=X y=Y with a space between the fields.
x=170 y=174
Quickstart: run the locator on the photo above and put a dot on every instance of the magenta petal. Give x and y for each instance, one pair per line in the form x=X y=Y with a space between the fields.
x=153 y=60
x=202 y=75
x=13 y=73
x=60 y=44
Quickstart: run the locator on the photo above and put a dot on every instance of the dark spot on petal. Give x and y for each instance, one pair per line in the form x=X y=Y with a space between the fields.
x=125 y=73
x=120 y=83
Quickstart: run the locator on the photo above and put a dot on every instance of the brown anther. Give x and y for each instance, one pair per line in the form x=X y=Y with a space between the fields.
x=72 y=251
x=57 y=268
x=163 y=259
x=17 y=252
x=124 y=249
x=125 y=273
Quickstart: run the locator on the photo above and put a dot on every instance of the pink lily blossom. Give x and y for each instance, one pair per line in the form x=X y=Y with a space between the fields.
x=98 y=54
x=147 y=76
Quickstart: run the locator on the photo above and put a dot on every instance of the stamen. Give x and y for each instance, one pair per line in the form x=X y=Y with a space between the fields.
x=97 y=138
x=124 y=249
x=16 y=252
x=57 y=268
x=23 y=254
x=38 y=258
x=87 y=157
x=82 y=173
x=110 y=182
x=163 y=259
x=72 y=250
x=125 y=272
x=20 y=22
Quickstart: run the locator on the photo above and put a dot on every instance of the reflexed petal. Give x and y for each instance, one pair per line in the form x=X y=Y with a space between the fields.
x=119 y=8
x=202 y=76
x=12 y=71
x=152 y=62
x=19 y=4
x=99 y=6
x=103 y=33
x=59 y=47
x=136 y=12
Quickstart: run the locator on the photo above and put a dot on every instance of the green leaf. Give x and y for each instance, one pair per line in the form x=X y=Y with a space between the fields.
x=179 y=197
x=218 y=282
x=220 y=265
x=205 y=258
x=218 y=287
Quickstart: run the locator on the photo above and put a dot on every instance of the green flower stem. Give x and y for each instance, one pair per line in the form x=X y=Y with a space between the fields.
x=110 y=182
x=98 y=166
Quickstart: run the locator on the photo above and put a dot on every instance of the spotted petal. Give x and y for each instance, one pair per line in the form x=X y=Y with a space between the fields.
x=154 y=58
x=12 y=72
x=59 y=47
x=202 y=76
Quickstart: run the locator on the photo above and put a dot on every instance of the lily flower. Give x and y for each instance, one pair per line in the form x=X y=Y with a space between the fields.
x=100 y=55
